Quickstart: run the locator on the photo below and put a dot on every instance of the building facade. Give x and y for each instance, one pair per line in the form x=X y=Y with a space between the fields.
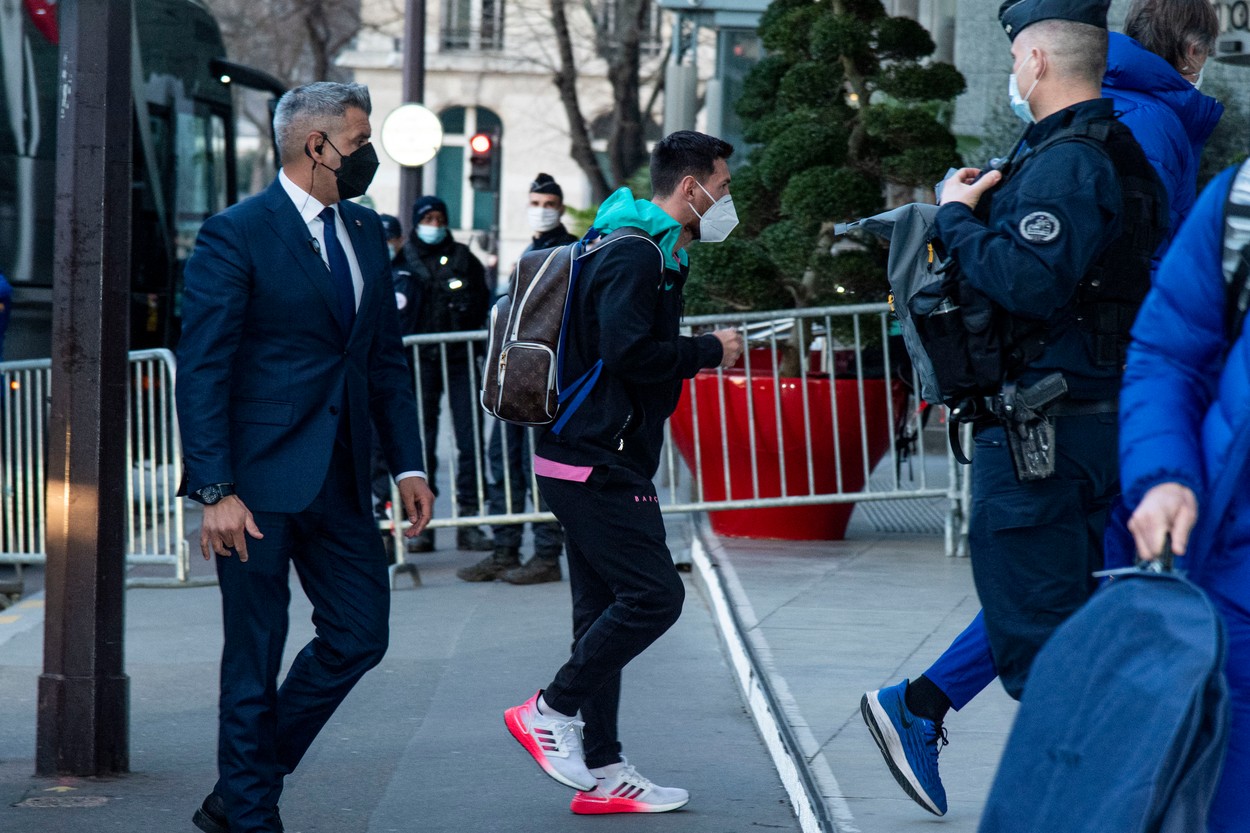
x=490 y=66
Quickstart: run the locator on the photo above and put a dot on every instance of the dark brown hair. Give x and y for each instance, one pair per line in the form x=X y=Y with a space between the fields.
x=1169 y=28
x=682 y=154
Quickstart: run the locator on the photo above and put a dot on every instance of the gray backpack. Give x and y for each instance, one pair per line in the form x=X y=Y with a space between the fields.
x=915 y=279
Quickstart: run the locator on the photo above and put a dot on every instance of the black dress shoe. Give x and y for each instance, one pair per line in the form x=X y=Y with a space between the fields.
x=211 y=817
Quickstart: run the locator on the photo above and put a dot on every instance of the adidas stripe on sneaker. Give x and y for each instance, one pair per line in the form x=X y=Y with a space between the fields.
x=555 y=744
x=622 y=789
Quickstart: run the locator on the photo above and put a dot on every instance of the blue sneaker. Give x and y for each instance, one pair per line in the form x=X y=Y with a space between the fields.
x=909 y=743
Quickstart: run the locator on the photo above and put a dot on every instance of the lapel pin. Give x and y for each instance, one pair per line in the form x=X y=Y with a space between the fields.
x=357 y=224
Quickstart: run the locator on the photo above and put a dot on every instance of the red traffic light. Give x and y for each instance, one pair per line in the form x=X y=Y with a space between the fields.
x=480 y=143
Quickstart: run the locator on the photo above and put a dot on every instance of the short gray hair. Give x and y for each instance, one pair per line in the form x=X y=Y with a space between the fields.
x=306 y=108
x=1077 y=51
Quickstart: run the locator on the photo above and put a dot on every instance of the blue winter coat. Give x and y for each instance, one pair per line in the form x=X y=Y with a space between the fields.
x=1169 y=118
x=1181 y=400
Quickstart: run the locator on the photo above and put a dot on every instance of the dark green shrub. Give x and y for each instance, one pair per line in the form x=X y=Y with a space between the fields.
x=845 y=104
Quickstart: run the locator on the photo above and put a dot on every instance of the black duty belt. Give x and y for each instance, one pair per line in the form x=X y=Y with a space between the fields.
x=1083 y=407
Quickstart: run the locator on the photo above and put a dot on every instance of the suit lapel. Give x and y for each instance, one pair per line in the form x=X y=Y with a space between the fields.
x=291 y=229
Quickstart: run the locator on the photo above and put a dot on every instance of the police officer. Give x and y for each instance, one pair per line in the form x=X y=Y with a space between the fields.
x=1061 y=240
x=510 y=483
x=446 y=292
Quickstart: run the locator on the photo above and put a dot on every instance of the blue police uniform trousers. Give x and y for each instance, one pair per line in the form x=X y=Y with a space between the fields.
x=966 y=667
x=462 y=381
x=509 y=486
x=1035 y=545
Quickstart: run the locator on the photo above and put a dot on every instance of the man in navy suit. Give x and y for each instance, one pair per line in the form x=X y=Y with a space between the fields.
x=290 y=346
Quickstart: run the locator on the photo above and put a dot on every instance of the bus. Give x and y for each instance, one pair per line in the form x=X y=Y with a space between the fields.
x=184 y=159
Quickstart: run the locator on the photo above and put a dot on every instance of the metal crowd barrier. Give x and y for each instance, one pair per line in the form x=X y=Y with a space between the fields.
x=155 y=533
x=849 y=343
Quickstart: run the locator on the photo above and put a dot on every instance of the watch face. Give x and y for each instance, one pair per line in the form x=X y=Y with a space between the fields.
x=210 y=494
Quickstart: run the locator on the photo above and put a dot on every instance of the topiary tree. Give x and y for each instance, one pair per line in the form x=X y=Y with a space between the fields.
x=843 y=106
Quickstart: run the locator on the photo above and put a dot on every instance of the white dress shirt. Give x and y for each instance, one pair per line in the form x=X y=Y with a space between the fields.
x=310 y=208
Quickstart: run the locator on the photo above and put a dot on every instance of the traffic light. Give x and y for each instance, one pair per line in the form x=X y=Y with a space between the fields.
x=483 y=150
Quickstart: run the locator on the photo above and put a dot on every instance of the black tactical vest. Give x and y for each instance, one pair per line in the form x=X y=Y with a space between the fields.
x=975 y=345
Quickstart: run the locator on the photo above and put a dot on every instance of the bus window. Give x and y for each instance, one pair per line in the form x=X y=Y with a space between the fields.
x=201 y=176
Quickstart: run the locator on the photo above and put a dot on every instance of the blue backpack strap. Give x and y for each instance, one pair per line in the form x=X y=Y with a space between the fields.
x=576 y=393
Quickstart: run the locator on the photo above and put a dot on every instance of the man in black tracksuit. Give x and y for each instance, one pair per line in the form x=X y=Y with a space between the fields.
x=596 y=473
x=509 y=484
x=446 y=292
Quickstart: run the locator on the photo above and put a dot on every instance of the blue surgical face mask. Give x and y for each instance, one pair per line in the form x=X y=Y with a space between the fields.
x=431 y=235
x=1020 y=103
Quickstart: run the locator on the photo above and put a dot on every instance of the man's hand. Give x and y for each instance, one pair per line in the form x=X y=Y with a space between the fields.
x=418 y=503
x=226 y=526
x=731 y=346
x=1168 y=508
x=963 y=186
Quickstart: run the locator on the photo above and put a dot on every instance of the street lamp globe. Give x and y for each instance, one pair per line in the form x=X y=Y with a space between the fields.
x=411 y=135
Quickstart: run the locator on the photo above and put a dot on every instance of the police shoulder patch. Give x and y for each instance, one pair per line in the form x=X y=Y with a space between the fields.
x=1040 y=227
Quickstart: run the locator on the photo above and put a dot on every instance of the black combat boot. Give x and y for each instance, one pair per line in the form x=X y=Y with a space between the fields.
x=473 y=539
x=492 y=566
x=538 y=570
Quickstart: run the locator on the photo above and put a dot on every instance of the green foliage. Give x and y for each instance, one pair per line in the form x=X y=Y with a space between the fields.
x=834 y=37
x=818 y=195
x=760 y=87
x=845 y=102
x=902 y=39
x=790 y=245
x=803 y=145
x=809 y=85
x=735 y=275
x=912 y=82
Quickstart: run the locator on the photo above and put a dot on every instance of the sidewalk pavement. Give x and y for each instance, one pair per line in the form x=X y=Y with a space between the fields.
x=420 y=745
x=831 y=620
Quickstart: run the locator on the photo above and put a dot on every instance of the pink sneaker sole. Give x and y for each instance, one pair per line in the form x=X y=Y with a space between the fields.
x=584 y=805
x=514 y=719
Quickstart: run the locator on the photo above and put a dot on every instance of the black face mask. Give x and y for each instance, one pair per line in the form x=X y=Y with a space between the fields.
x=355 y=171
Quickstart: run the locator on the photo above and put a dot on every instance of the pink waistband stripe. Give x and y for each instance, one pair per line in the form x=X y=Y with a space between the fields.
x=561 y=471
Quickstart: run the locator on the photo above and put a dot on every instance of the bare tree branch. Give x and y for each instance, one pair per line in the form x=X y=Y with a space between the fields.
x=566 y=83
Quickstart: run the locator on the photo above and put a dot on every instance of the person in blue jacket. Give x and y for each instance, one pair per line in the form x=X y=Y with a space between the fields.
x=1185 y=400
x=1153 y=73
x=6 y=303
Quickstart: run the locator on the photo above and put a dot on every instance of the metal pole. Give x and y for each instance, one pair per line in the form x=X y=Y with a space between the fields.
x=414 y=93
x=83 y=711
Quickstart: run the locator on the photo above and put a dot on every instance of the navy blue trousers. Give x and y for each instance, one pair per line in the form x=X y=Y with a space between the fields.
x=966 y=667
x=1035 y=545
x=265 y=729
x=626 y=594
x=508 y=489
x=466 y=421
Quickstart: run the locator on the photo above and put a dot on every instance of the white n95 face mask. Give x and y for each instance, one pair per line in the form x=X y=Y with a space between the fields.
x=543 y=219
x=719 y=220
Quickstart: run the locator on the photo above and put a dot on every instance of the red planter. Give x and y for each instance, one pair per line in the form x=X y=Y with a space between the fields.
x=816 y=522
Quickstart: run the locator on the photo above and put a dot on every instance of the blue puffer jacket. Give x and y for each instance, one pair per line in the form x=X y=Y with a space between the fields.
x=1169 y=118
x=1182 y=401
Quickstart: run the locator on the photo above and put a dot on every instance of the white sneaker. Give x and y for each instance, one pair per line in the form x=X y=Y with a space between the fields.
x=621 y=789
x=554 y=742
